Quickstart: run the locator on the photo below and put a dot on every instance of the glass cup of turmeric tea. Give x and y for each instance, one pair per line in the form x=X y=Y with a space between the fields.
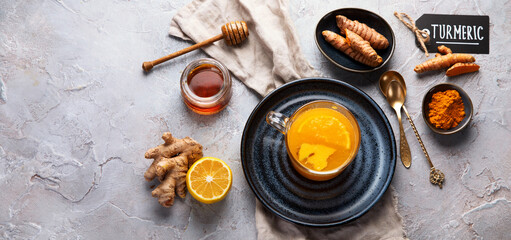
x=206 y=86
x=322 y=138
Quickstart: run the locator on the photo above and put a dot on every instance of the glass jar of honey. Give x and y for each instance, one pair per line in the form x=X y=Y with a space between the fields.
x=206 y=86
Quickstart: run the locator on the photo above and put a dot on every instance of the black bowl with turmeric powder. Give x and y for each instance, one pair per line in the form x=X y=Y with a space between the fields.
x=446 y=108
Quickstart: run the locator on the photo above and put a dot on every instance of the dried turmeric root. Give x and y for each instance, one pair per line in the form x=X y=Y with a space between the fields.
x=362 y=46
x=338 y=42
x=461 y=68
x=444 y=50
x=171 y=162
x=444 y=61
x=376 y=40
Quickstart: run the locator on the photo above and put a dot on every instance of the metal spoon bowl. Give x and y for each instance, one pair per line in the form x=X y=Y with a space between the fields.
x=388 y=77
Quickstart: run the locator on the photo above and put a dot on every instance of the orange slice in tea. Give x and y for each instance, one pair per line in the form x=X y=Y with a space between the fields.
x=327 y=129
x=315 y=154
x=209 y=180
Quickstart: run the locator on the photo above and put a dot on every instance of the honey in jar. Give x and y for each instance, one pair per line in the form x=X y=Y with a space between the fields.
x=206 y=86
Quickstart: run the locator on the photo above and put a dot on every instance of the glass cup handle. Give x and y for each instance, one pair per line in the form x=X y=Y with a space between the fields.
x=277 y=121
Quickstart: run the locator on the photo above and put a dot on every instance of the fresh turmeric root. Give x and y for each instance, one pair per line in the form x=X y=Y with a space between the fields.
x=171 y=162
x=458 y=63
x=444 y=50
x=376 y=40
x=362 y=46
x=444 y=61
x=338 y=42
x=461 y=68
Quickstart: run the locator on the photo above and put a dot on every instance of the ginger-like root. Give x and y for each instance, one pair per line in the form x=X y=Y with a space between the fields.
x=461 y=68
x=444 y=61
x=171 y=162
x=458 y=63
x=362 y=46
x=444 y=50
x=376 y=40
x=339 y=43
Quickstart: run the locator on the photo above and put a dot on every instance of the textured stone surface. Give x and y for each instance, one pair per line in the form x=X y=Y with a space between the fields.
x=77 y=113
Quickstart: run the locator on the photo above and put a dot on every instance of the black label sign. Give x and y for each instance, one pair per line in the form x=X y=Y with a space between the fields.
x=461 y=33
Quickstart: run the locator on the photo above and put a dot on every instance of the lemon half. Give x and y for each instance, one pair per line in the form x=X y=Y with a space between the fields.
x=209 y=180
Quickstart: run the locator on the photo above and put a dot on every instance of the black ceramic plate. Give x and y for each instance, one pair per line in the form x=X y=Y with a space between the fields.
x=283 y=191
x=342 y=60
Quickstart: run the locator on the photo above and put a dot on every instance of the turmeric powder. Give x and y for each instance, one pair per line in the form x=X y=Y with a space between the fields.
x=446 y=109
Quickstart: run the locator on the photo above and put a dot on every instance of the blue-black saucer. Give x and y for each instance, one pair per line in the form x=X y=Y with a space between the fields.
x=289 y=195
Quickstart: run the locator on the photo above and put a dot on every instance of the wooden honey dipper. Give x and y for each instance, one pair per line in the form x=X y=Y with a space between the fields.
x=234 y=33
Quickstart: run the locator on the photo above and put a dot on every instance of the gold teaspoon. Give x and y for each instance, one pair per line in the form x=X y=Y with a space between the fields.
x=396 y=99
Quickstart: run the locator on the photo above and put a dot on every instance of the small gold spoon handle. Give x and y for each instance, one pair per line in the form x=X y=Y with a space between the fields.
x=418 y=137
x=404 y=149
x=435 y=176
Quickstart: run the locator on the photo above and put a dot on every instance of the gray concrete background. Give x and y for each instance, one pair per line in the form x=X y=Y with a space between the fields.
x=77 y=114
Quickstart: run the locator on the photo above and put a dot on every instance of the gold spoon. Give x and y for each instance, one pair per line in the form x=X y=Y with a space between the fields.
x=396 y=98
x=390 y=78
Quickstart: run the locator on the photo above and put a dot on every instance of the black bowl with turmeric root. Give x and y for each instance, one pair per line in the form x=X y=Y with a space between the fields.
x=335 y=46
x=446 y=111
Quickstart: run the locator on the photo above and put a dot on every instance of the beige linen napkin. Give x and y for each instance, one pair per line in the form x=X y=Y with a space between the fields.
x=381 y=222
x=269 y=58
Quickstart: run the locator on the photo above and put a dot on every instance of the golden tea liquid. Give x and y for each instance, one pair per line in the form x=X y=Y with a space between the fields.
x=321 y=139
